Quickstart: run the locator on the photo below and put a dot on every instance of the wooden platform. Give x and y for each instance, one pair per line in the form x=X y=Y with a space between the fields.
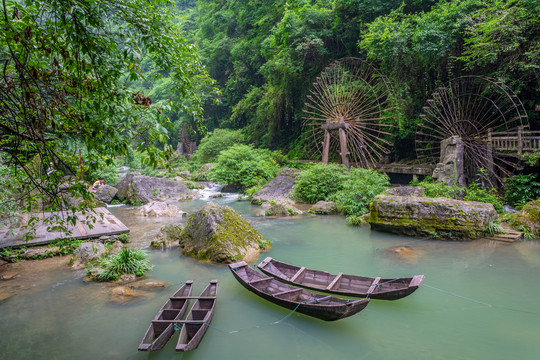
x=105 y=224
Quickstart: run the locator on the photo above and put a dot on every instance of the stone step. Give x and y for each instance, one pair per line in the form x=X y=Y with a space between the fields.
x=507 y=236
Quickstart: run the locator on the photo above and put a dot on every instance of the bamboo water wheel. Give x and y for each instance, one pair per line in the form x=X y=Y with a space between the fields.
x=349 y=114
x=475 y=108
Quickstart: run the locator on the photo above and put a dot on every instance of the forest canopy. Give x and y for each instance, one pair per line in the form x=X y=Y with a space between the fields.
x=266 y=55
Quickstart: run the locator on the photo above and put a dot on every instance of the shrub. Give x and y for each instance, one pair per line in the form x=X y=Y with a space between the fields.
x=244 y=166
x=490 y=196
x=319 y=181
x=124 y=238
x=359 y=190
x=356 y=220
x=127 y=261
x=213 y=144
x=493 y=227
x=521 y=189
x=472 y=193
x=438 y=189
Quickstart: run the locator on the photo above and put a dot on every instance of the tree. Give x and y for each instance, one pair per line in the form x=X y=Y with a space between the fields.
x=65 y=72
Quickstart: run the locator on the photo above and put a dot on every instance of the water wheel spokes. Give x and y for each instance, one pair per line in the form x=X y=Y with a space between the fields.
x=355 y=100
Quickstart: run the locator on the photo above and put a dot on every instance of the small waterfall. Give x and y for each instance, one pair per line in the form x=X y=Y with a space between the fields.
x=212 y=191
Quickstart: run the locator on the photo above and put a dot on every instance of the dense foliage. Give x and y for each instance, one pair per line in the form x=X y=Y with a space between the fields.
x=473 y=192
x=319 y=181
x=265 y=55
x=359 y=190
x=351 y=190
x=66 y=67
x=520 y=189
x=243 y=166
x=214 y=143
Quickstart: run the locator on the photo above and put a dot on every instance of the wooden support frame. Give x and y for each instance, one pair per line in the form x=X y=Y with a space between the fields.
x=341 y=126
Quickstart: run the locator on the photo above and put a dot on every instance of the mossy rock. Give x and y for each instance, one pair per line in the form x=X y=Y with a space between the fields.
x=219 y=234
x=430 y=217
x=529 y=217
x=167 y=237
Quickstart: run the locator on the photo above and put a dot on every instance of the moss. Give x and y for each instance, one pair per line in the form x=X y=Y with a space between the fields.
x=431 y=226
x=232 y=234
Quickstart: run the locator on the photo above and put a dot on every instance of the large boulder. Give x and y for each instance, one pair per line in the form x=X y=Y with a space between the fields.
x=280 y=209
x=219 y=234
x=430 y=217
x=159 y=208
x=279 y=189
x=105 y=193
x=136 y=188
x=323 y=208
x=529 y=218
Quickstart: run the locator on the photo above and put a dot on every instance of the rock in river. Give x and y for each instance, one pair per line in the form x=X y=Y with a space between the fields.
x=105 y=193
x=430 y=217
x=323 y=208
x=279 y=189
x=219 y=234
x=159 y=208
x=136 y=188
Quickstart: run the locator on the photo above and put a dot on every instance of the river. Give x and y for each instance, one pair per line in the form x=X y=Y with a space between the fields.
x=479 y=300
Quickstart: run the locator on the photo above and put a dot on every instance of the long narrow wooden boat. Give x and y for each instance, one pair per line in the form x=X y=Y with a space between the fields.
x=317 y=305
x=198 y=319
x=342 y=284
x=162 y=326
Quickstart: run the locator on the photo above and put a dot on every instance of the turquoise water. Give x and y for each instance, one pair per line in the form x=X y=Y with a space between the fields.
x=479 y=301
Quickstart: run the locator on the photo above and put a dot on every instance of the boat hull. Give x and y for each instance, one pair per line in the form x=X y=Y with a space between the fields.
x=198 y=319
x=162 y=326
x=346 y=285
x=316 y=305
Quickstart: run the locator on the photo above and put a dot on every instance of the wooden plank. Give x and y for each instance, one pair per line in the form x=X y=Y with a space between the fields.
x=80 y=230
x=335 y=126
x=259 y=280
x=292 y=291
x=373 y=285
x=336 y=279
x=298 y=273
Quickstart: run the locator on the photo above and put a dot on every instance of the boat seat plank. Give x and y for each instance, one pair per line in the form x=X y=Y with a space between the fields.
x=259 y=280
x=336 y=279
x=288 y=292
x=373 y=285
x=298 y=273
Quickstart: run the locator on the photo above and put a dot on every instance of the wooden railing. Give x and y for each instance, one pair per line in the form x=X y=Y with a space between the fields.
x=519 y=140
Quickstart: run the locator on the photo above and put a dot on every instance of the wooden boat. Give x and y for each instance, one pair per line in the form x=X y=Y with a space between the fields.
x=198 y=319
x=317 y=305
x=162 y=326
x=348 y=285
